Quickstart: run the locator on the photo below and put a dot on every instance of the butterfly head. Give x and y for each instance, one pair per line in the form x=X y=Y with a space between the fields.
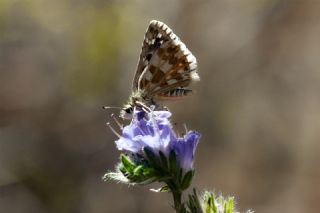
x=127 y=112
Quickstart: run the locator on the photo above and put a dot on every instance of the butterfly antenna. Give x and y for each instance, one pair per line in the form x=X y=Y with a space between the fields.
x=109 y=107
x=140 y=78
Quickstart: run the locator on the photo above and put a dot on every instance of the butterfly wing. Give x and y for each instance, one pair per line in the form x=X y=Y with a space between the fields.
x=154 y=37
x=166 y=67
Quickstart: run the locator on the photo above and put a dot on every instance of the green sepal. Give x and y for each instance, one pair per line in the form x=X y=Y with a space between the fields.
x=225 y=206
x=139 y=170
x=180 y=176
x=164 y=189
x=210 y=203
x=135 y=173
x=127 y=164
x=193 y=203
x=186 y=181
x=173 y=165
x=209 y=200
x=230 y=205
x=163 y=160
x=152 y=158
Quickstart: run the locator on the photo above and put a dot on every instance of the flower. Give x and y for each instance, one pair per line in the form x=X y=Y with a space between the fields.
x=185 y=149
x=153 y=130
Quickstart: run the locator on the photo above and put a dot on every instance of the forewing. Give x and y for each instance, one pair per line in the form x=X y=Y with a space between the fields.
x=156 y=34
x=170 y=71
x=166 y=66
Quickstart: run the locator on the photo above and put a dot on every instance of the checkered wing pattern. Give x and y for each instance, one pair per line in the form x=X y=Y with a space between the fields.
x=166 y=67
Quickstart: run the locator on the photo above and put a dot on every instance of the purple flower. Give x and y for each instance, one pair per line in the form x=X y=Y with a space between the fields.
x=154 y=130
x=185 y=149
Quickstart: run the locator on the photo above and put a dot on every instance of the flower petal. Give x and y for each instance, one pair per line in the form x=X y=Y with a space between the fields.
x=154 y=130
x=185 y=149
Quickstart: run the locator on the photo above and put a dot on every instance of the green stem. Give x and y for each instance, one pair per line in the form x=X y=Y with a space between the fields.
x=177 y=201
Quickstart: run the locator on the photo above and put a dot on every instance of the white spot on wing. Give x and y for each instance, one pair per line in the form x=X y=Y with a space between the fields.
x=175 y=42
x=194 y=76
x=155 y=60
x=191 y=58
x=172 y=81
x=183 y=47
x=193 y=66
x=166 y=67
x=148 y=75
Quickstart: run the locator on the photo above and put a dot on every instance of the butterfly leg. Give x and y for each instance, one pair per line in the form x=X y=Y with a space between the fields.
x=143 y=106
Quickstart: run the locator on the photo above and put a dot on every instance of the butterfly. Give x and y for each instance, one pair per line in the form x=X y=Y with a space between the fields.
x=165 y=70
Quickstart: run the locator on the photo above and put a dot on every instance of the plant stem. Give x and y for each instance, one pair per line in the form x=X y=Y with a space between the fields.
x=177 y=201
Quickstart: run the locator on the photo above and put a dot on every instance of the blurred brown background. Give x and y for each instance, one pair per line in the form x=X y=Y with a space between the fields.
x=257 y=105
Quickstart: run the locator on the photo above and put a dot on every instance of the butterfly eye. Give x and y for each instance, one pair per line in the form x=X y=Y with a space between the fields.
x=129 y=110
